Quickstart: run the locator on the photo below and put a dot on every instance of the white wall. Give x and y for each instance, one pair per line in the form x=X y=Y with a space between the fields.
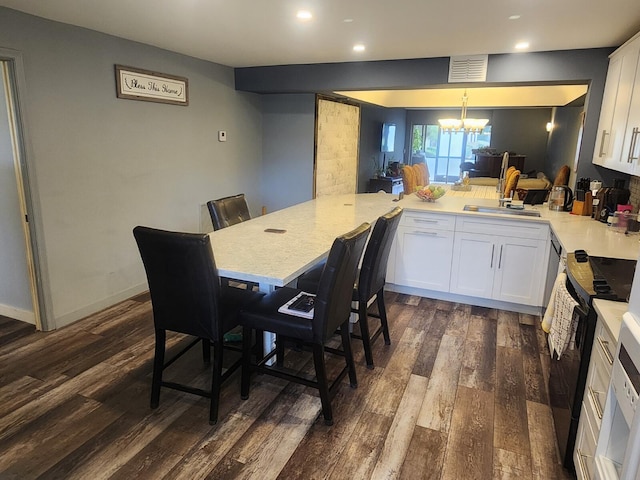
x=15 y=296
x=102 y=165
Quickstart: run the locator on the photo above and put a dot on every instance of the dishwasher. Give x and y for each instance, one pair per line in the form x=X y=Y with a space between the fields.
x=553 y=267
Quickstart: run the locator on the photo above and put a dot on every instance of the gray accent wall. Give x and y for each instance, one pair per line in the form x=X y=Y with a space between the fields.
x=287 y=149
x=15 y=291
x=103 y=165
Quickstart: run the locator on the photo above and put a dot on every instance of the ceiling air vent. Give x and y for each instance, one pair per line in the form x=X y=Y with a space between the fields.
x=470 y=68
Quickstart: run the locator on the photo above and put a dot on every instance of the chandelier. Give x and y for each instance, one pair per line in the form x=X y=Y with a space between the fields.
x=463 y=123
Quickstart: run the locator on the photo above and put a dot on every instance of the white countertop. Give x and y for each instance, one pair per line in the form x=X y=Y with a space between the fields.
x=611 y=314
x=574 y=232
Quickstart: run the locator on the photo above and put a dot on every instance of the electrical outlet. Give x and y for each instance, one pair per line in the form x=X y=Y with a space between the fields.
x=222 y=135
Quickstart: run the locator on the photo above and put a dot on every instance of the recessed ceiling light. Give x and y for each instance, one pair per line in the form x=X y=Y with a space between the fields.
x=304 y=15
x=348 y=20
x=514 y=17
x=522 y=45
x=358 y=47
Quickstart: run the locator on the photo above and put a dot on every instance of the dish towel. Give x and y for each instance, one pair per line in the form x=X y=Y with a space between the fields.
x=548 y=314
x=562 y=324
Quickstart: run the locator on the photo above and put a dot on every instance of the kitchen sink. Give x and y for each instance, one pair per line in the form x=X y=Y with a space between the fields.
x=502 y=210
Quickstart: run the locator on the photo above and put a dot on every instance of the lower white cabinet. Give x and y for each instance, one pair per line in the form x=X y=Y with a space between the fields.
x=504 y=260
x=593 y=402
x=423 y=257
x=500 y=260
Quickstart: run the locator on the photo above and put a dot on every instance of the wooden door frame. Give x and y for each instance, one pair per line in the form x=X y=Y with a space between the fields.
x=12 y=70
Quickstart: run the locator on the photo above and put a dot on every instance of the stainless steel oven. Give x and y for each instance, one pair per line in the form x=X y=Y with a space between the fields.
x=587 y=278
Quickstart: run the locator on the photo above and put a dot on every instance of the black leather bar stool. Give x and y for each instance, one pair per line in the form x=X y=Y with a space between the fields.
x=331 y=310
x=371 y=281
x=187 y=297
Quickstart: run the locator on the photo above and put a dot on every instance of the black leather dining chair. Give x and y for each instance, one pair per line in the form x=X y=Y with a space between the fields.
x=371 y=281
x=331 y=310
x=228 y=211
x=187 y=297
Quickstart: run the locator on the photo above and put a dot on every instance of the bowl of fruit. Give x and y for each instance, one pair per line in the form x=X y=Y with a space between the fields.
x=430 y=193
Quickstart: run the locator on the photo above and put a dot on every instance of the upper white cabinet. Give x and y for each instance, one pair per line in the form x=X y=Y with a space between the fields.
x=617 y=138
x=501 y=260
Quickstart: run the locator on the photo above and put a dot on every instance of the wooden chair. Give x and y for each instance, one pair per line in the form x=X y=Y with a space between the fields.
x=187 y=297
x=371 y=281
x=409 y=180
x=331 y=310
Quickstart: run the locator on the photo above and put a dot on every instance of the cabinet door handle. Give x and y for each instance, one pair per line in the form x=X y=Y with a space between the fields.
x=632 y=148
x=604 y=345
x=602 y=139
x=596 y=401
x=424 y=220
x=500 y=258
x=493 y=247
x=428 y=234
x=583 y=467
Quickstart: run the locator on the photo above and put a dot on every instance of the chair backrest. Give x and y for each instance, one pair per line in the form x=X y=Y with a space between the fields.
x=183 y=281
x=373 y=271
x=562 y=177
x=335 y=290
x=417 y=171
x=409 y=180
x=425 y=173
x=228 y=211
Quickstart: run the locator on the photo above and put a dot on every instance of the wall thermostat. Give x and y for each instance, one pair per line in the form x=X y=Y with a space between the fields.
x=222 y=135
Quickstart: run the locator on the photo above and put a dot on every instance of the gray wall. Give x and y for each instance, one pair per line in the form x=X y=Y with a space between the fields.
x=287 y=149
x=523 y=131
x=563 y=138
x=103 y=165
x=15 y=293
x=371 y=120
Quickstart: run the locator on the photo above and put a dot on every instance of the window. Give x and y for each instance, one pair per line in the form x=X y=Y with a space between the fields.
x=445 y=151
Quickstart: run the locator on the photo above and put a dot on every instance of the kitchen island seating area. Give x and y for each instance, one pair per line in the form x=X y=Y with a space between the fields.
x=187 y=297
x=331 y=311
x=370 y=283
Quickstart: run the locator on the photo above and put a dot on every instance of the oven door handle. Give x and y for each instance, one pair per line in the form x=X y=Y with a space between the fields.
x=582 y=320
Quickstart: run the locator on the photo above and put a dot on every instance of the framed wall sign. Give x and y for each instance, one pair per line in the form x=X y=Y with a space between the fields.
x=137 y=84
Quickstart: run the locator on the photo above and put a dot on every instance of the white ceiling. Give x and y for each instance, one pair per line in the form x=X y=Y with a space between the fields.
x=242 y=33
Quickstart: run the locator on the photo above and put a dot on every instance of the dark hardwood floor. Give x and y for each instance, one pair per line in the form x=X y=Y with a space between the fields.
x=460 y=394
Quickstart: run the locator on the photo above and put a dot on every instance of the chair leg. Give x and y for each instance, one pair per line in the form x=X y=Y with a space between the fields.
x=323 y=384
x=158 y=363
x=279 y=352
x=364 y=332
x=382 y=310
x=348 y=354
x=246 y=362
x=206 y=350
x=216 y=382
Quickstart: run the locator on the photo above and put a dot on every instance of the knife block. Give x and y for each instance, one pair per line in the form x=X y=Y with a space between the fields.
x=585 y=207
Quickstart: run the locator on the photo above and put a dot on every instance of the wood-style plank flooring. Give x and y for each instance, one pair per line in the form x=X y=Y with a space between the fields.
x=459 y=394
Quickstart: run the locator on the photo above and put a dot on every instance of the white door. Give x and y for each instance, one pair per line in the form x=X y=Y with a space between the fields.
x=473 y=266
x=519 y=271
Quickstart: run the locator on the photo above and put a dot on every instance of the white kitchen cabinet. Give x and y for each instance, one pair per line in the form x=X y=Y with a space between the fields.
x=424 y=247
x=500 y=260
x=616 y=136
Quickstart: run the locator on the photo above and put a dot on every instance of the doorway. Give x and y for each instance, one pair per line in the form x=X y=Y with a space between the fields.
x=18 y=285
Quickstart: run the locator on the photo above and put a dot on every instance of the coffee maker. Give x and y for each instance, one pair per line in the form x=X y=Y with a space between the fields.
x=609 y=198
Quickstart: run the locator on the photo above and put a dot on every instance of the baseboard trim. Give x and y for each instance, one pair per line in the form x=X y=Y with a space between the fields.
x=455 y=298
x=87 y=310
x=17 y=314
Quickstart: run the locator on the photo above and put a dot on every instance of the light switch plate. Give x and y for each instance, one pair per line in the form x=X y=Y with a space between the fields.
x=222 y=135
